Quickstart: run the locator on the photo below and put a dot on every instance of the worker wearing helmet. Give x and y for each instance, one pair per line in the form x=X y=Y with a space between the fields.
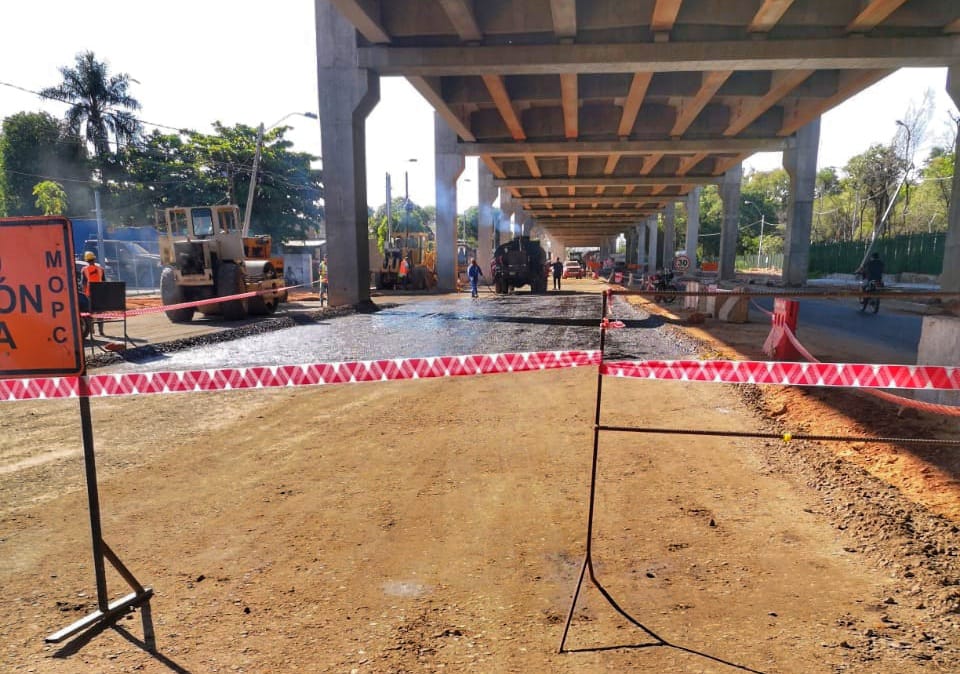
x=92 y=273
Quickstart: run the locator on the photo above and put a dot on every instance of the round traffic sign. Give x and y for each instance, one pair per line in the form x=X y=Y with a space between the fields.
x=681 y=263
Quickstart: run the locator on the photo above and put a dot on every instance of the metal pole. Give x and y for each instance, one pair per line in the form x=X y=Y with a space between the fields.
x=386 y=244
x=253 y=181
x=760 y=245
x=93 y=498
x=99 y=214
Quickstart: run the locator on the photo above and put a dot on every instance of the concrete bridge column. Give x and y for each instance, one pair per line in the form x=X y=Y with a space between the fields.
x=641 y=231
x=631 y=236
x=950 y=278
x=693 y=229
x=800 y=162
x=729 y=229
x=940 y=335
x=343 y=141
x=669 y=235
x=449 y=165
x=486 y=195
x=502 y=230
x=653 y=226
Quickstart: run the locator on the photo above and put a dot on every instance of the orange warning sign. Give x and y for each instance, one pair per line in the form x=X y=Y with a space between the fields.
x=39 y=311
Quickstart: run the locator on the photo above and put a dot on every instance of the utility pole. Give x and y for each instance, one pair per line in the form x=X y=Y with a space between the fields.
x=253 y=181
x=386 y=244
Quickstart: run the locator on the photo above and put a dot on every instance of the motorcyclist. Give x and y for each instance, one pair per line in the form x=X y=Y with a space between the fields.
x=872 y=271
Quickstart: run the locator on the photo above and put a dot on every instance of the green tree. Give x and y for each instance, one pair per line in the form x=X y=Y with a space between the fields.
x=100 y=104
x=874 y=175
x=34 y=147
x=194 y=169
x=51 y=199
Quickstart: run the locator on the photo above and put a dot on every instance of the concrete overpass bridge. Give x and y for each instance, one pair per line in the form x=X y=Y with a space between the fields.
x=593 y=118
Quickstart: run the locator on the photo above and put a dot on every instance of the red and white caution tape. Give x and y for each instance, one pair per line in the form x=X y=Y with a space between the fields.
x=855 y=375
x=935 y=408
x=184 y=305
x=315 y=374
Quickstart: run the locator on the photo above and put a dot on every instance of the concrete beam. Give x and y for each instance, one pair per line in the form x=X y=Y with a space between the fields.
x=627 y=147
x=688 y=110
x=873 y=14
x=430 y=90
x=611 y=181
x=361 y=15
x=564 y=200
x=631 y=106
x=564 y=14
x=567 y=213
x=768 y=15
x=460 y=13
x=571 y=105
x=498 y=92
x=557 y=59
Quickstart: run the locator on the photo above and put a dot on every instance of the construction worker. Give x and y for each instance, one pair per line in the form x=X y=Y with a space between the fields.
x=322 y=273
x=403 y=271
x=92 y=273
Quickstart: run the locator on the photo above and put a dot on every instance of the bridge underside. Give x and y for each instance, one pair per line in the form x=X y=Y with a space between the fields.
x=594 y=116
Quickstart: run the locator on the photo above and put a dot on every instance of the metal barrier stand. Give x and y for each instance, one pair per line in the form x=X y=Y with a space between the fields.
x=588 y=556
x=107 y=611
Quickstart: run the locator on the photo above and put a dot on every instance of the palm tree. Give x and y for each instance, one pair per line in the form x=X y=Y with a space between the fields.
x=97 y=100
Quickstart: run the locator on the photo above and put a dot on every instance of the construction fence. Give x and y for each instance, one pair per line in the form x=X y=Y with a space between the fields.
x=914 y=253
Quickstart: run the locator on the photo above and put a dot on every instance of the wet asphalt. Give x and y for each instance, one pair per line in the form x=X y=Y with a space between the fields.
x=435 y=327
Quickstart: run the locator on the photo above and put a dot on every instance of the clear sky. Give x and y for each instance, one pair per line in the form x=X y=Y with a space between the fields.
x=241 y=61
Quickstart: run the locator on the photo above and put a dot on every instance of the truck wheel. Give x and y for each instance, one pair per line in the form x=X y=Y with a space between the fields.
x=230 y=282
x=171 y=293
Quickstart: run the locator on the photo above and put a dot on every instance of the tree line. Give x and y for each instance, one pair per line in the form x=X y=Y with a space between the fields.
x=52 y=166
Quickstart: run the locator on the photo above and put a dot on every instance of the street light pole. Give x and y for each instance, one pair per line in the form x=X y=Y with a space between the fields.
x=762 y=223
x=256 y=165
x=906 y=172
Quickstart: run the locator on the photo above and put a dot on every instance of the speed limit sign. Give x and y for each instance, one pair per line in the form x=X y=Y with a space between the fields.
x=681 y=263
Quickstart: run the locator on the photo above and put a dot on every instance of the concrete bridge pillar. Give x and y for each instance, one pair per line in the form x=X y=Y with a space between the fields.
x=693 y=229
x=631 y=237
x=343 y=139
x=641 y=231
x=950 y=278
x=940 y=335
x=800 y=162
x=729 y=229
x=653 y=227
x=669 y=235
x=449 y=165
x=502 y=230
x=486 y=195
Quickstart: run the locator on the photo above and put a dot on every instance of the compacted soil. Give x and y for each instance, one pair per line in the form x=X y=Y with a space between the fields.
x=441 y=525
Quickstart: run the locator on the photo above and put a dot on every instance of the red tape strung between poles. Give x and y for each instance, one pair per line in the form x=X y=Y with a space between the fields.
x=850 y=375
x=315 y=374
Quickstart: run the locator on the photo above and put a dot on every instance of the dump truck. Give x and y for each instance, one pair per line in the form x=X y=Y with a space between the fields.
x=205 y=255
x=517 y=263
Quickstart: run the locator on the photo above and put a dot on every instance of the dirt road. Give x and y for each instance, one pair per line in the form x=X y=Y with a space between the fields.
x=428 y=525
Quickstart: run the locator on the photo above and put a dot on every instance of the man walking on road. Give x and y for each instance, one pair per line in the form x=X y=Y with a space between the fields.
x=557 y=273
x=474 y=272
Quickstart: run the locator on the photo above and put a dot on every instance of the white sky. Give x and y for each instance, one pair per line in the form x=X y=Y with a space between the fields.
x=248 y=62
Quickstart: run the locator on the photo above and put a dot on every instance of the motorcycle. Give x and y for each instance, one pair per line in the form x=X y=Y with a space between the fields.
x=663 y=282
x=869 y=298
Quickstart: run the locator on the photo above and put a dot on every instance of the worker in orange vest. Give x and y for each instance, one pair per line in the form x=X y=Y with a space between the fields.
x=92 y=273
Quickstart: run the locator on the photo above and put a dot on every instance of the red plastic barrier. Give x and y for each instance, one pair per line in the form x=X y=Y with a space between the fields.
x=778 y=344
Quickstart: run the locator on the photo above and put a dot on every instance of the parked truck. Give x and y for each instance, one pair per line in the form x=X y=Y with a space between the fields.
x=517 y=263
x=205 y=255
